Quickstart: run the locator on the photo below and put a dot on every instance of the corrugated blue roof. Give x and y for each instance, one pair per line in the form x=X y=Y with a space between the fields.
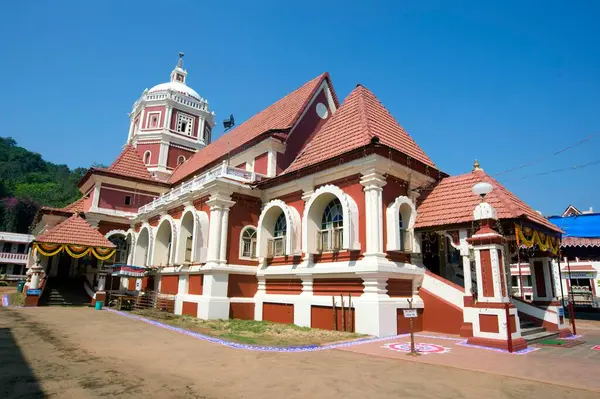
x=587 y=226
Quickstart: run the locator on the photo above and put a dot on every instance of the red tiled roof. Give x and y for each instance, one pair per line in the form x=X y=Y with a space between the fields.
x=75 y=230
x=580 y=242
x=360 y=118
x=129 y=163
x=75 y=206
x=453 y=202
x=279 y=116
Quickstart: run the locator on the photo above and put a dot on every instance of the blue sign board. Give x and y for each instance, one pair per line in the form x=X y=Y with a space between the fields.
x=561 y=311
x=33 y=292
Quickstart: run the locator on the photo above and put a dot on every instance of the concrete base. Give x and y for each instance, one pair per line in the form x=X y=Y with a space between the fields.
x=375 y=318
x=517 y=343
x=213 y=308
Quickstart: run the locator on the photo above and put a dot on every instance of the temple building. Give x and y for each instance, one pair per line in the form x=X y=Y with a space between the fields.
x=311 y=207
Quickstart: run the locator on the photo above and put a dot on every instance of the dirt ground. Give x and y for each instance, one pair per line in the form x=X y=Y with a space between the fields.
x=83 y=353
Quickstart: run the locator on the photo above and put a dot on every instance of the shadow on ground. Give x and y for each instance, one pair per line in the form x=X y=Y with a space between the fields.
x=16 y=377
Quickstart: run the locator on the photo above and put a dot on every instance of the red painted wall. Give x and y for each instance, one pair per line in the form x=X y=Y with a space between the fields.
x=439 y=315
x=174 y=153
x=486 y=273
x=115 y=199
x=169 y=284
x=278 y=312
x=196 y=284
x=403 y=324
x=242 y=286
x=393 y=189
x=245 y=211
x=154 y=151
x=322 y=317
x=306 y=128
x=161 y=119
x=261 y=163
x=242 y=311
x=190 y=309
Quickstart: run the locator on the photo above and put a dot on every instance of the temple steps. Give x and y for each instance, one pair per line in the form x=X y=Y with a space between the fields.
x=532 y=333
x=65 y=294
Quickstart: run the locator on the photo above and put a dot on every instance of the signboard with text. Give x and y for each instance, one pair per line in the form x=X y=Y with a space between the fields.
x=33 y=292
x=410 y=313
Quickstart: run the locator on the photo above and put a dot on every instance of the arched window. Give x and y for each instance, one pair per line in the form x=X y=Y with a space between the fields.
x=332 y=224
x=248 y=243
x=122 y=249
x=147 y=156
x=180 y=159
x=277 y=245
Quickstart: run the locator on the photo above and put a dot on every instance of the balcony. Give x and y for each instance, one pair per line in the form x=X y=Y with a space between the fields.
x=199 y=182
x=7 y=257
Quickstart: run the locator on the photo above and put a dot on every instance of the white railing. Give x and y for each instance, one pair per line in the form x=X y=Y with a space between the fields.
x=198 y=182
x=9 y=257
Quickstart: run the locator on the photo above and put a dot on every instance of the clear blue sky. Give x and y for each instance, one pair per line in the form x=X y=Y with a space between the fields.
x=504 y=82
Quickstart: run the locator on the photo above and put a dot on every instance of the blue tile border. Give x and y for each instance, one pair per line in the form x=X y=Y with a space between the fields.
x=257 y=348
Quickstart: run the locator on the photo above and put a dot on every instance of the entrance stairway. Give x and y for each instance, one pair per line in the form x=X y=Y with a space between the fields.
x=532 y=333
x=64 y=293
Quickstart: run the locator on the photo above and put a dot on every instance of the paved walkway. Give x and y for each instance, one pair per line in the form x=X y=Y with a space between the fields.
x=81 y=353
x=577 y=367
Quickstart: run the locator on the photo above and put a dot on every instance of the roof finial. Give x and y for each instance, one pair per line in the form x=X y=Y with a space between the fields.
x=180 y=63
x=476 y=166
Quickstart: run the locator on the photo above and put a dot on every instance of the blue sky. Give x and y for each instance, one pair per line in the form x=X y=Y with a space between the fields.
x=506 y=82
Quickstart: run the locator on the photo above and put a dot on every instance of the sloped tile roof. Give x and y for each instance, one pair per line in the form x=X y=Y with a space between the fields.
x=129 y=163
x=75 y=206
x=279 y=116
x=360 y=118
x=453 y=202
x=75 y=230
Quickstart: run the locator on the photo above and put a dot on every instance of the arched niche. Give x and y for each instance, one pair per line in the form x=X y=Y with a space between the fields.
x=313 y=217
x=270 y=214
x=141 y=255
x=164 y=243
x=402 y=209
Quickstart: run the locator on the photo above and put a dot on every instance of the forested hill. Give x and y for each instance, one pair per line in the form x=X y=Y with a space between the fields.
x=28 y=182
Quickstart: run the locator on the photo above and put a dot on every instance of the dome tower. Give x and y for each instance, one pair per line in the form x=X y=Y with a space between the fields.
x=169 y=123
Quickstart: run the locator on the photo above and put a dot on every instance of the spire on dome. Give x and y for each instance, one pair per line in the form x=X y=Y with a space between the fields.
x=179 y=74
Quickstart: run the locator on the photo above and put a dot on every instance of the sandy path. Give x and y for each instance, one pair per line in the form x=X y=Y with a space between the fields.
x=82 y=353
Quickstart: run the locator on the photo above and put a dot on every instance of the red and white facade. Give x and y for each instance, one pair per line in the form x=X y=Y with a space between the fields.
x=309 y=206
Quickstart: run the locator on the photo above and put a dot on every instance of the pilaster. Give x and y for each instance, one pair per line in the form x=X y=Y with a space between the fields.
x=373 y=182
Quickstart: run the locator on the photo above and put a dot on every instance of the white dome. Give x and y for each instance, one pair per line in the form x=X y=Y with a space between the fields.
x=176 y=87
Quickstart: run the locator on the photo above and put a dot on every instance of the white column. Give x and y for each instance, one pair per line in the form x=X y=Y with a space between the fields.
x=373 y=183
x=96 y=199
x=214 y=235
x=271 y=162
x=219 y=203
x=163 y=154
x=168 y=117
x=224 y=230
x=466 y=262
